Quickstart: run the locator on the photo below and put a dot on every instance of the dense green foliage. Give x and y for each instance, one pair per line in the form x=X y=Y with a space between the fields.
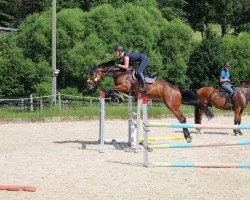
x=87 y=32
x=208 y=58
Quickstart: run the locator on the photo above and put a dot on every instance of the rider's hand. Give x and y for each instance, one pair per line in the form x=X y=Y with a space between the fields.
x=117 y=64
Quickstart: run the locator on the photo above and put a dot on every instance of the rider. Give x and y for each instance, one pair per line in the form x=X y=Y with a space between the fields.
x=225 y=83
x=128 y=56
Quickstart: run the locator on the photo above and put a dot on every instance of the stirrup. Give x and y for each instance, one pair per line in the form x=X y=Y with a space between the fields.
x=228 y=105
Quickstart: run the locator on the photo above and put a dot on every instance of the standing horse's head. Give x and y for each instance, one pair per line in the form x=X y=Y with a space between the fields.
x=245 y=84
x=97 y=73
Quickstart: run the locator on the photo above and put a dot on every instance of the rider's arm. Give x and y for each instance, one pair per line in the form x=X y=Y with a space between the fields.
x=126 y=63
x=222 y=80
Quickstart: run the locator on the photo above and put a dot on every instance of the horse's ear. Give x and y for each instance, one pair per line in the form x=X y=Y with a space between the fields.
x=93 y=66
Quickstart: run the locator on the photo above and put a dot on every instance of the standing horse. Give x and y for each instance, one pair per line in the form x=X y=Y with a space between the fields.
x=172 y=96
x=208 y=96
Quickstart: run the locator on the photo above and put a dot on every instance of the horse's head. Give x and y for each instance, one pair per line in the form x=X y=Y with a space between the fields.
x=245 y=84
x=97 y=73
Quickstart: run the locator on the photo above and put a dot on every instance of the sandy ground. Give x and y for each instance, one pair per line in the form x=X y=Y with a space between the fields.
x=50 y=156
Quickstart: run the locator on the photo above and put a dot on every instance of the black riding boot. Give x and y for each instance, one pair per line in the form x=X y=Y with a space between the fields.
x=143 y=84
x=228 y=102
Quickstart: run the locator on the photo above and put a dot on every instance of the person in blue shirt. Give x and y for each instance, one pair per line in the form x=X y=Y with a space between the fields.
x=226 y=83
x=134 y=57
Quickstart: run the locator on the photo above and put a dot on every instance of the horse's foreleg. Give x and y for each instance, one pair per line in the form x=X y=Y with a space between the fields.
x=114 y=93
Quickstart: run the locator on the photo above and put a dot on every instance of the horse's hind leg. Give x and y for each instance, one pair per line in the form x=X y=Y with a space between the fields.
x=185 y=130
x=197 y=118
x=182 y=120
x=174 y=106
x=237 y=121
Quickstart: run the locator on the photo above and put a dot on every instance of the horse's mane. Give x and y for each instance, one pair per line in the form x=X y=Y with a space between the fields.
x=115 y=69
x=107 y=64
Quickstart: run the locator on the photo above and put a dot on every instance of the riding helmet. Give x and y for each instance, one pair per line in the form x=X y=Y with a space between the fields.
x=118 y=48
x=227 y=64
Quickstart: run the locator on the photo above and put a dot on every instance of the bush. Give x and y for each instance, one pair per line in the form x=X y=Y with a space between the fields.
x=206 y=61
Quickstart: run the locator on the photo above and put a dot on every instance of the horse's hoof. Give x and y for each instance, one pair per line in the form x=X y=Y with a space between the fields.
x=199 y=131
x=235 y=133
x=240 y=133
x=189 y=139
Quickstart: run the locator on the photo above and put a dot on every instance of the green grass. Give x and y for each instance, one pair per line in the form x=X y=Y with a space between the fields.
x=87 y=112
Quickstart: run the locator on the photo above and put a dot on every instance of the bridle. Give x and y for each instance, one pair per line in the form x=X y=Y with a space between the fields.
x=96 y=73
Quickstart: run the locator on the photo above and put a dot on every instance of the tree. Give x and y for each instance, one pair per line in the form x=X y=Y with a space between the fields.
x=198 y=14
x=230 y=14
x=206 y=61
x=237 y=50
x=172 y=9
x=85 y=38
x=176 y=47
x=5 y=17
x=19 y=76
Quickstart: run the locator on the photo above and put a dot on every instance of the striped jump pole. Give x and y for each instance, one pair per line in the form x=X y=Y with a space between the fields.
x=147 y=147
x=199 y=126
x=130 y=120
x=188 y=145
x=163 y=138
x=145 y=131
x=17 y=188
x=101 y=120
x=201 y=165
x=137 y=125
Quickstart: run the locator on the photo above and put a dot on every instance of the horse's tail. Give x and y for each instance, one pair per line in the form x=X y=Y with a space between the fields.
x=189 y=98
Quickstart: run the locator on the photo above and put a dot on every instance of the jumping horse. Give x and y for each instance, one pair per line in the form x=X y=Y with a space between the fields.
x=208 y=96
x=172 y=96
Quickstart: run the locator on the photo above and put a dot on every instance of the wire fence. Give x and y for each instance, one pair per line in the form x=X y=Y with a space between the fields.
x=35 y=103
x=39 y=103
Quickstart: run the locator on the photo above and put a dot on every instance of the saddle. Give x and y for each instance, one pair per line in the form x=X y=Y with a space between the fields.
x=149 y=77
x=222 y=93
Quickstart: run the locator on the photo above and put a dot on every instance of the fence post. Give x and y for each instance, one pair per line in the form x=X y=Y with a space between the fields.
x=31 y=103
x=41 y=104
x=59 y=102
x=150 y=103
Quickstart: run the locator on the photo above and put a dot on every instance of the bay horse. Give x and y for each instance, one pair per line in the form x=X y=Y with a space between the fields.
x=208 y=96
x=172 y=96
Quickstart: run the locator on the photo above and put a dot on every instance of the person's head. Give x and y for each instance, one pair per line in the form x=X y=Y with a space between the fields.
x=119 y=50
x=227 y=65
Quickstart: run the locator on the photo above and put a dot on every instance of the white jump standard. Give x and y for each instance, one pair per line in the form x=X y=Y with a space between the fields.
x=133 y=127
